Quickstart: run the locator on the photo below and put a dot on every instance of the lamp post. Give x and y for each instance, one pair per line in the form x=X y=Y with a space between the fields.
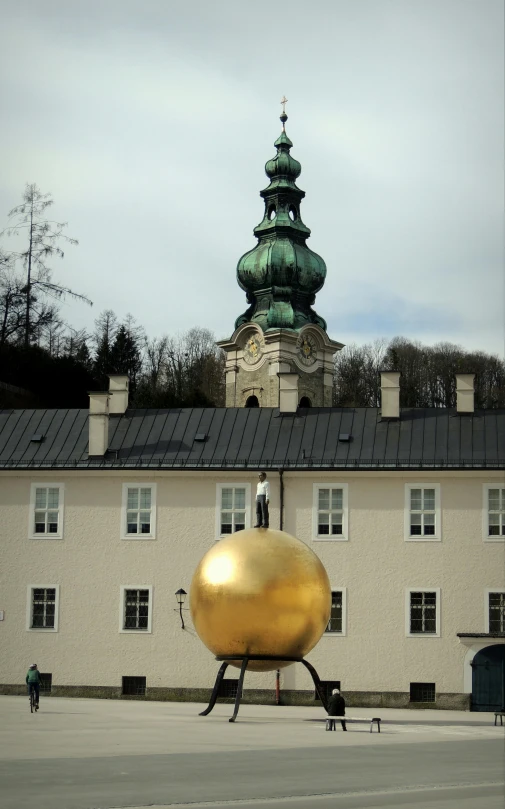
x=181 y=597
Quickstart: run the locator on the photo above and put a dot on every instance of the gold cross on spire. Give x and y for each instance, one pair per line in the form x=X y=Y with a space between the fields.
x=284 y=101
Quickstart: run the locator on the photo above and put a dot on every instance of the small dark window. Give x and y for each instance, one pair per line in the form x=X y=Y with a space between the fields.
x=252 y=401
x=46 y=682
x=228 y=689
x=134 y=686
x=305 y=402
x=293 y=213
x=327 y=686
x=497 y=612
x=422 y=692
x=272 y=212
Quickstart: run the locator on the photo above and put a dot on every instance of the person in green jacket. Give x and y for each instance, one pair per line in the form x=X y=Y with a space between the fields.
x=33 y=681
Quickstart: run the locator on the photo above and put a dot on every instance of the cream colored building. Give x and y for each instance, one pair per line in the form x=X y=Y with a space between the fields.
x=106 y=512
x=96 y=544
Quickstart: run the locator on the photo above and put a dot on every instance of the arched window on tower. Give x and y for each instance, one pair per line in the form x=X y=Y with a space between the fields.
x=252 y=401
x=305 y=402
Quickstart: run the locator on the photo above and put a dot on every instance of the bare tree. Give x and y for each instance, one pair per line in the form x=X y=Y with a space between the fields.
x=44 y=237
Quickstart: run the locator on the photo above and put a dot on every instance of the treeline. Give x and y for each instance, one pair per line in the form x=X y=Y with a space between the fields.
x=44 y=362
x=427 y=374
x=58 y=371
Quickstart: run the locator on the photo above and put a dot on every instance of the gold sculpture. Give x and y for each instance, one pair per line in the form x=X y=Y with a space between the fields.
x=260 y=592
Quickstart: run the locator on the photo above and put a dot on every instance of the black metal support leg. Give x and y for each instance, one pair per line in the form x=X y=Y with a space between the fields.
x=317 y=683
x=215 y=692
x=240 y=685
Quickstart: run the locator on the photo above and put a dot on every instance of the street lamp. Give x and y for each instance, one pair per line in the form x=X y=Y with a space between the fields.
x=181 y=598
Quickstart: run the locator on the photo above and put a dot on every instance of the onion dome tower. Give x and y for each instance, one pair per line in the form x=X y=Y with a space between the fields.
x=280 y=354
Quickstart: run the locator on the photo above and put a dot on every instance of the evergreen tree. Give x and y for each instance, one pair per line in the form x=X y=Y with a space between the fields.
x=43 y=242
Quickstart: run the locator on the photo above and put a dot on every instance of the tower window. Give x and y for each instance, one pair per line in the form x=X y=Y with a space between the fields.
x=272 y=212
x=252 y=401
x=305 y=402
x=293 y=213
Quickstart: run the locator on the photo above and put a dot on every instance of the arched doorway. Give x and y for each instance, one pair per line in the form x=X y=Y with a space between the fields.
x=488 y=679
x=305 y=402
x=252 y=401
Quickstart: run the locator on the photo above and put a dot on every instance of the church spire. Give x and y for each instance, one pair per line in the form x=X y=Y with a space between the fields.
x=281 y=275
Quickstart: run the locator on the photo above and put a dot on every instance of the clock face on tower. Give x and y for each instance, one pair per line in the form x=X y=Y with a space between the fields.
x=307 y=349
x=252 y=349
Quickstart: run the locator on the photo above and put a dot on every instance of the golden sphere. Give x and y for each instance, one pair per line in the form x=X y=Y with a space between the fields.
x=260 y=592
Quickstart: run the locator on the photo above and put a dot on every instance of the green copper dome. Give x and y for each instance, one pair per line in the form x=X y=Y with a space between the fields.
x=281 y=275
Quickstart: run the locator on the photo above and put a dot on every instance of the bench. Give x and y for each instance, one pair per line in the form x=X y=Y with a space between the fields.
x=373 y=721
x=500 y=714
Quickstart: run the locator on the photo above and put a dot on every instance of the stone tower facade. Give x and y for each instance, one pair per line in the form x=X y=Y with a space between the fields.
x=280 y=354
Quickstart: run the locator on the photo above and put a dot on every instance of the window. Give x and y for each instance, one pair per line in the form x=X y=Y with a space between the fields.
x=496 y=611
x=252 y=401
x=422 y=512
x=233 y=508
x=422 y=692
x=134 y=686
x=46 y=683
x=42 y=607
x=494 y=513
x=327 y=687
x=136 y=608
x=138 y=519
x=337 y=622
x=46 y=511
x=228 y=688
x=330 y=512
x=423 y=611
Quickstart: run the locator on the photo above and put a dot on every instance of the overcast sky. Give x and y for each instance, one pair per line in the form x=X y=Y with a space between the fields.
x=150 y=122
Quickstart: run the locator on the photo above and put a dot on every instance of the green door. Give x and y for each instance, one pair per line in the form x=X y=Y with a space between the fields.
x=488 y=679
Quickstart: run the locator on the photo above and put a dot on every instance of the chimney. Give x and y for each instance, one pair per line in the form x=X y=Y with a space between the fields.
x=390 y=394
x=118 y=392
x=465 y=393
x=98 y=424
x=288 y=392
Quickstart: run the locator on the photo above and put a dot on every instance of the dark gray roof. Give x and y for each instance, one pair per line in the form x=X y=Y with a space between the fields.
x=257 y=437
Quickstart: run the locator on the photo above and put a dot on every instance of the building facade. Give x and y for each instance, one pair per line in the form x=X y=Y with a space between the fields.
x=106 y=513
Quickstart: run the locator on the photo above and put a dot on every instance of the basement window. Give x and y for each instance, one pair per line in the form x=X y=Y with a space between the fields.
x=327 y=687
x=422 y=692
x=46 y=683
x=228 y=689
x=134 y=687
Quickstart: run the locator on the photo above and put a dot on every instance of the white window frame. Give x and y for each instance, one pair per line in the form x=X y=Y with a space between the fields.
x=344 y=536
x=124 y=509
x=343 y=632
x=61 y=497
x=122 y=596
x=423 y=589
x=29 y=607
x=232 y=485
x=485 y=513
x=437 y=536
x=486 y=604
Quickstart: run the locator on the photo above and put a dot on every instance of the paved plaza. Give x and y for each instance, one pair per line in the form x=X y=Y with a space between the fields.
x=99 y=754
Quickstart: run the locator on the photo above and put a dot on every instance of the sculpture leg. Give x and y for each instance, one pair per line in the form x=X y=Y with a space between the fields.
x=317 y=683
x=245 y=661
x=215 y=692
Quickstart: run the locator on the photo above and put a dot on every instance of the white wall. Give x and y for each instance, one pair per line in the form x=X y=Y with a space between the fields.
x=375 y=565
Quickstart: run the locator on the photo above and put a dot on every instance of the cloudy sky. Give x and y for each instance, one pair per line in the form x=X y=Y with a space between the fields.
x=150 y=122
